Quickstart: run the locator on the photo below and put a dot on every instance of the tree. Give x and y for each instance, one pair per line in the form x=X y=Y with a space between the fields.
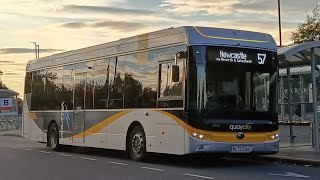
x=309 y=30
x=2 y=86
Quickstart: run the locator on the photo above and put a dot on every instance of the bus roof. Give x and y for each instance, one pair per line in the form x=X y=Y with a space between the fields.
x=229 y=37
x=188 y=35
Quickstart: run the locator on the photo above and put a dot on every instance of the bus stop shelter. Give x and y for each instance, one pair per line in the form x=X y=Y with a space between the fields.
x=300 y=80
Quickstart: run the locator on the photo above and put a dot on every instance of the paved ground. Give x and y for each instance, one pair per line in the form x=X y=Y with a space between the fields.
x=302 y=134
x=298 y=154
x=22 y=159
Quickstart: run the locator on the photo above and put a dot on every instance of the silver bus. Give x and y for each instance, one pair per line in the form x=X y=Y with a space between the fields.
x=177 y=91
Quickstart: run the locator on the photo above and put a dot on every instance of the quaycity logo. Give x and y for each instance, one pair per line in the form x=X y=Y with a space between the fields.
x=233 y=57
x=240 y=127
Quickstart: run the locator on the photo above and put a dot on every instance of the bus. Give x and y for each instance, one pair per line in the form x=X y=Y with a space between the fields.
x=184 y=90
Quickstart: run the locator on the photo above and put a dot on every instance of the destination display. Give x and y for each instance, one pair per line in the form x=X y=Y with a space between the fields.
x=239 y=55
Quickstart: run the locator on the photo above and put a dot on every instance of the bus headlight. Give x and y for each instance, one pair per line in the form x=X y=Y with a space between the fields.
x=199 y=136
x=275 y=136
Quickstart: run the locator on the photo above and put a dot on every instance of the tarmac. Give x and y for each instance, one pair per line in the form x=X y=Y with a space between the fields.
x=292 y=153
x=296 y=153
x=16 y=133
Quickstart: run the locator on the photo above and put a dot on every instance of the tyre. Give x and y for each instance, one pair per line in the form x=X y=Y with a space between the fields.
x=137 y=144
x=53 y=137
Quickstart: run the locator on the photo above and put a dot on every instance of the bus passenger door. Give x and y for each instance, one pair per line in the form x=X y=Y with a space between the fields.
x=79 y=96
x=171 y=133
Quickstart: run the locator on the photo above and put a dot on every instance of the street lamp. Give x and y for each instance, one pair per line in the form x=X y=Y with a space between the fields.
x=279 y=16
x=36 y=48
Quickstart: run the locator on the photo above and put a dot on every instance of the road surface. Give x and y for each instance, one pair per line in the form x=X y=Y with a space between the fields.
x=21 y=159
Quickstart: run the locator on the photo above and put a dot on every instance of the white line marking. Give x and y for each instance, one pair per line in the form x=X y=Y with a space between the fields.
x=14 y=147
x=90 y=159
x=27 y=149
x=2 y=145
x=154 y=169
x=66 y=155
x=290 y=174
x=123 y=164
x=198 y=176
x=46 y=152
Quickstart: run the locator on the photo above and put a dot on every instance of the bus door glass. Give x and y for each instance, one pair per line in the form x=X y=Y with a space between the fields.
x=169 y=90
x=79 y=96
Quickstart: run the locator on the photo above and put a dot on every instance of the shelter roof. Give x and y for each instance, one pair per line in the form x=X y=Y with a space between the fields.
x=5 y=93
x=298 y=54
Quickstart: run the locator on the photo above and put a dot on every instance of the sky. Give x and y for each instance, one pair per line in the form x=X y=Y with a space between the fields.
x=62 y=25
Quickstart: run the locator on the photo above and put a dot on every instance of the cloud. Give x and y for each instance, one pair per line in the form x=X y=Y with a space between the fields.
x=10 y=65
x=235 y=7
x=104 y=9
x=252 y=24
x=26 y=50
x=197 y=7
x=6 y=62
x=74 y=25
x=114 y=25
x=12 y=74
x=45 y=18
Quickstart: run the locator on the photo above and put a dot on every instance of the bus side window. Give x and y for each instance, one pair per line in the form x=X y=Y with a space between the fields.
x=67 y=88
x=27 y=89
x=28 y=83
x=116 y=84
x=38 y=90
x=101 y=80
x=52 y=89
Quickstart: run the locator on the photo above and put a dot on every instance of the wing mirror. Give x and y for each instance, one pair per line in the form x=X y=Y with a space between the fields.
x=175 y=73
x=175 y=68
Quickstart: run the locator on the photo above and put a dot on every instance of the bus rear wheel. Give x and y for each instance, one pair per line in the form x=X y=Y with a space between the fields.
x=53 y=137
x=137 y=144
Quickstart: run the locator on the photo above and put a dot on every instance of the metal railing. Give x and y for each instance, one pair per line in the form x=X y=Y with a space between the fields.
x=10 y=122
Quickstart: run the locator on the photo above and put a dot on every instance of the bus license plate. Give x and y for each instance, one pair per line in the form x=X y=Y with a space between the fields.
x=241 y=149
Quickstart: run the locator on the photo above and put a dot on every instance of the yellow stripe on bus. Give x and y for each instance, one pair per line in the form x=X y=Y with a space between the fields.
x=250 y=137
x=32 y=115
x=233 y=39
x=101 y=125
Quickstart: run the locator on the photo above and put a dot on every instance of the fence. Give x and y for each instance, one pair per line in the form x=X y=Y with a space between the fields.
x=10 y=122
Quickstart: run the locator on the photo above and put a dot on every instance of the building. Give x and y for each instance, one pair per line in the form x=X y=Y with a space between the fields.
x=9 y=116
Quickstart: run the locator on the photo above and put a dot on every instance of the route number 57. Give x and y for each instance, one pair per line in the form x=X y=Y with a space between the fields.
x=262 y=58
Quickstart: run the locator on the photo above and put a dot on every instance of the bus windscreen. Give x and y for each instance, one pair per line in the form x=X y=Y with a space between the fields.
x=232 y=80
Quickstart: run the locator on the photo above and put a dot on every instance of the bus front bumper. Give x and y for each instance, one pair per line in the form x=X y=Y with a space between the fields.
x=198 y=146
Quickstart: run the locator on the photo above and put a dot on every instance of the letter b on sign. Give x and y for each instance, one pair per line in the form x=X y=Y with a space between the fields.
x=6 y=103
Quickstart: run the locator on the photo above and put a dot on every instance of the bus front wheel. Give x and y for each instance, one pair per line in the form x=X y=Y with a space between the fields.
x=137 y=144
x=53 y=137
